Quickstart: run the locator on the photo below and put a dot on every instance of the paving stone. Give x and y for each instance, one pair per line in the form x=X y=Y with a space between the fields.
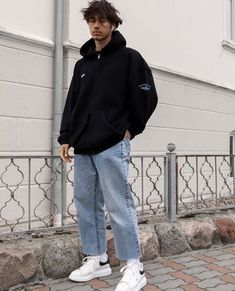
x=205 y=258
x=232 y=274
x=161 y=271
x=39 y=289
x=85 y=288
x=192 y=287
x=114 y=275
x=226 y=263
x=187 y=278
x=147 y=275
x=214 y=253
x=185 y=259
x=225 y=257
x=195 y=270
x=160 y=279
x=227 y=287
x=207 y=275
x=230 y=251
x=174 y=265
x=82 y=288
x=150 y=288
x=210 y=276
x=66 y=286
x=107 y=289
x=98 y=283
x=171 y=284
x=222 y=270
x=228 y=278
x=232 y=267
x=114 y=281
x=212 y=282
x=153 y=266
x=195 y=264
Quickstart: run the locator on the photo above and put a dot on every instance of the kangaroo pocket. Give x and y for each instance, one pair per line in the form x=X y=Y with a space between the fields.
x=99 y=132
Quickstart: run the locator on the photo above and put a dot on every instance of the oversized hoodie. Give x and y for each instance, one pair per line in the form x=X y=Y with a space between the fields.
x=111 y=91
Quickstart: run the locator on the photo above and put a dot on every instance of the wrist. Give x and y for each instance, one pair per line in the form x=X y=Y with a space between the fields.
x=127 y=134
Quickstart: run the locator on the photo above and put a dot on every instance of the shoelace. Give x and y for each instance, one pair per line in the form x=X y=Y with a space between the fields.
x=129 y=272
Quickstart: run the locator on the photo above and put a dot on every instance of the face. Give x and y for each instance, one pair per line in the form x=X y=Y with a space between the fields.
x=100 y=28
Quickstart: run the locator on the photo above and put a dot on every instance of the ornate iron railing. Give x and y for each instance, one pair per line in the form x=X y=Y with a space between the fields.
x=205 y=181
x=36 y=192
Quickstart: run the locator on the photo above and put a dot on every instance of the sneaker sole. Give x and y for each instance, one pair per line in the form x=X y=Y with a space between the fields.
x=100 y=273
x=142 y=283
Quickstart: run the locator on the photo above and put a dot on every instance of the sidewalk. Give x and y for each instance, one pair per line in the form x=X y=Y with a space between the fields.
x=212 y=269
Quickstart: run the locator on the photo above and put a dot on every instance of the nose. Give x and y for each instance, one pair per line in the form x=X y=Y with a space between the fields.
x=96 y=24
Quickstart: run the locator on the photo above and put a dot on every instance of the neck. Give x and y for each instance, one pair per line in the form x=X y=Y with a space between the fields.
x=99 y=44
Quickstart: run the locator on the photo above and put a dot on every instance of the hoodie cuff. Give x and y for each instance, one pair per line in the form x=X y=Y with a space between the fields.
x=63 y=140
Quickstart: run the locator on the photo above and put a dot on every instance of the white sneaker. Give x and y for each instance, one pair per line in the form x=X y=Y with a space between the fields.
x=90 y=269
x=132 y=280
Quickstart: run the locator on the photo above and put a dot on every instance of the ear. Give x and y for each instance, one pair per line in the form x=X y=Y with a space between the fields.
x=113 y=28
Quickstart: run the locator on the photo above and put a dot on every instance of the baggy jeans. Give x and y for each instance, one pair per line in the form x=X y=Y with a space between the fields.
x=101 y=180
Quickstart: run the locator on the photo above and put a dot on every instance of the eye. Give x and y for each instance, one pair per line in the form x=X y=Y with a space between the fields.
x=103 y=20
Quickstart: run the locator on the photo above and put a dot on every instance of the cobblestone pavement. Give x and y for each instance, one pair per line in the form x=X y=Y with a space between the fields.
x=212 y=270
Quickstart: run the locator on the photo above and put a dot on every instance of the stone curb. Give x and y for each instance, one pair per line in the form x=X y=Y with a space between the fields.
x=31 y=263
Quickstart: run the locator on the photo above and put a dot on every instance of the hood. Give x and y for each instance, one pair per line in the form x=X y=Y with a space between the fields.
x=117 y=41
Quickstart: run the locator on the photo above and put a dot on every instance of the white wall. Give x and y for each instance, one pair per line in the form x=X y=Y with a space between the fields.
x=26 y=78
x=178 y=35
x=33 y=17
x=196 y=116
x=181 y=35
x=26 y=82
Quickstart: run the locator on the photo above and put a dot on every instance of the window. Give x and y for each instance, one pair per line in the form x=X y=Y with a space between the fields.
x=229 y=33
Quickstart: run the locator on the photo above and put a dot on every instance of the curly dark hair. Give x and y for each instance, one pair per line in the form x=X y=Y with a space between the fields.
x=102 y=9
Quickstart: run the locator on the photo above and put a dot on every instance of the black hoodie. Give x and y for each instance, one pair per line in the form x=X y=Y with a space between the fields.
x=111 y=91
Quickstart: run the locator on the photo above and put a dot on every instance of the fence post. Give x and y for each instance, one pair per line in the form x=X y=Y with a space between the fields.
x=57 y=194
x=232 y=159
x=171 y=182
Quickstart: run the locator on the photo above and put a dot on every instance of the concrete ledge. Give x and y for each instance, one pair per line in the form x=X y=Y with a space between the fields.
x=31 y=263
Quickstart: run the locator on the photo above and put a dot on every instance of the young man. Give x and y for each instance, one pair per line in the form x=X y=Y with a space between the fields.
x=110 y=99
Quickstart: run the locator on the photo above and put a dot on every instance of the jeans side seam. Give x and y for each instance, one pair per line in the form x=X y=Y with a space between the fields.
x=132 y=226
x=96 y=223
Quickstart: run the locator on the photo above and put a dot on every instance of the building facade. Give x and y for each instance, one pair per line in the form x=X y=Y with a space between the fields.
x=189 y=45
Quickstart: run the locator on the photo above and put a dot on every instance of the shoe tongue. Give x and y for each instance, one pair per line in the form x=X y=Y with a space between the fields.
x=132 y=265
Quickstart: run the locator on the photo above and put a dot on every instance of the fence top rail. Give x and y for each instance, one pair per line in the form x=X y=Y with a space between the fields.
x=132 y=156
x=205 y=155
x=55 y=156
x=29 y=157
x=147 y=156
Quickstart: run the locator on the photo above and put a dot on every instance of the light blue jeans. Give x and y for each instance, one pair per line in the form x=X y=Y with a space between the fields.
x=102 y=179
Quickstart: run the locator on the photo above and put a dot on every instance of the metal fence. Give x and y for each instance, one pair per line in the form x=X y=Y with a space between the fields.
x=36 y=192
x=205 y=181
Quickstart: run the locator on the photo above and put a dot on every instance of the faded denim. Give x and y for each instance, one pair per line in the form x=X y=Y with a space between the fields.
x=101 y=180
